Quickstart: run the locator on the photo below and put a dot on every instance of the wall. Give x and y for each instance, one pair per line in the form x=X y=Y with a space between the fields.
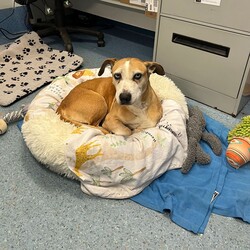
x=5 y=4
x=12 y=20
x=117 y=11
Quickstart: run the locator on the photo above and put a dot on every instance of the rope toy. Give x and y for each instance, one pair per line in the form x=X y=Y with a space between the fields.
x=10 y=117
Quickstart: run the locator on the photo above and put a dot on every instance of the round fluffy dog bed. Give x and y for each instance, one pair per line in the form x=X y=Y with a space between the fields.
x=109 y=166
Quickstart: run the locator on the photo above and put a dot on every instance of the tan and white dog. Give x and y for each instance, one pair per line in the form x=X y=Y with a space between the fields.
x=120 y=104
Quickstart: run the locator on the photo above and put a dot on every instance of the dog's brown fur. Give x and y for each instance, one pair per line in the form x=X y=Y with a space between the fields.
x=121 y=103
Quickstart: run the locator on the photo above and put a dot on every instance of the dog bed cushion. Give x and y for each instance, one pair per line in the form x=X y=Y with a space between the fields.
x=109 y=166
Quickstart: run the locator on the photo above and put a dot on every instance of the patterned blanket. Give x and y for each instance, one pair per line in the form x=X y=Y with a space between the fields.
x=28 y=63
x=119 y=167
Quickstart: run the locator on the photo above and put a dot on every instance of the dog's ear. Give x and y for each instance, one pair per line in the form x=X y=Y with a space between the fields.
x=154 y=67
x=109 y=61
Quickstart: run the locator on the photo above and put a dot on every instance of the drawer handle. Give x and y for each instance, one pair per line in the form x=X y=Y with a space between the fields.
x=201 y=45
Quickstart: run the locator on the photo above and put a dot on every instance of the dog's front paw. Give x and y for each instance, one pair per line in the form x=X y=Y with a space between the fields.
x=115 y=126
x=122 y=131
x=136 y=130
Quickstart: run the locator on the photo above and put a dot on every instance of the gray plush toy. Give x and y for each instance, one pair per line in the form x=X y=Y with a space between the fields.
x=196 y=132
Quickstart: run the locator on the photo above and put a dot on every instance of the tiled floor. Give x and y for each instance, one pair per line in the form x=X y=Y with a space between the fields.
x=42 y=210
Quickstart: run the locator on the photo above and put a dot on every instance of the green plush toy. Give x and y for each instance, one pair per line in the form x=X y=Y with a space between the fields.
x=240 y=130
x=196 y=132
x=238 y=151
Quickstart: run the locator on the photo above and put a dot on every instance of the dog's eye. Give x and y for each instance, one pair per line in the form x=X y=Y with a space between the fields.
x=117 y=76
x=137 y=76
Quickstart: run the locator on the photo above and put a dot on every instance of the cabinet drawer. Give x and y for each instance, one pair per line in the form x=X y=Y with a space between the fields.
x=231 y=13
x=213 y=58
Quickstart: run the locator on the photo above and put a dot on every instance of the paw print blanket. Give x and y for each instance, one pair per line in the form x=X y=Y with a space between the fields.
x=28 y=64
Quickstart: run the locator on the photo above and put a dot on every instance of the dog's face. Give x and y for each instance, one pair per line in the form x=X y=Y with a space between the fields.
x=131 y=78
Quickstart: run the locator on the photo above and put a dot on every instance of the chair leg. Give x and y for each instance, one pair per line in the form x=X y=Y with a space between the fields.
x=66 y=39
x=98 y=34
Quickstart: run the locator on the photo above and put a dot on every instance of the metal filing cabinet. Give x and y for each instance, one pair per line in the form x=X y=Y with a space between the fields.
x=204 y=46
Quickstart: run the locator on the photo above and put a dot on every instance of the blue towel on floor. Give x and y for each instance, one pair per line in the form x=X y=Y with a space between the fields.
x=191 y=198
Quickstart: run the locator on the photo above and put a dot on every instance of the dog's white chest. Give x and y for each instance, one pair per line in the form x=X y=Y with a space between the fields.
x=141 y=119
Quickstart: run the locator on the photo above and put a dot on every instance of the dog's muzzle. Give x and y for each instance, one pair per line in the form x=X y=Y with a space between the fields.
x=125 y=98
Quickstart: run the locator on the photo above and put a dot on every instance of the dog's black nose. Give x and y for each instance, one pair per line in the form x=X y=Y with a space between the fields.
x=125 y=98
